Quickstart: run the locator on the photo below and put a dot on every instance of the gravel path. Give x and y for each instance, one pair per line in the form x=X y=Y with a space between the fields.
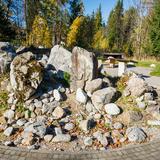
x=151 y=80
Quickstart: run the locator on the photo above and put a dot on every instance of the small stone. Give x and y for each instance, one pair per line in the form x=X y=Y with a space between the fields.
x=153 y=122
x=58 y=130
x=141 y=105
x=112 y=109
x=85 y=125
x=9 y=114
x=8 y=143
x=8 y=132
x=58 y=113
x=152 y=103
x=148 y=97
x=10 y=100
x=69 y=126
x=135 y=134
x=118 y=125
x=31 y=107
x=33 y=115
x=21 y=122
x=48 y=138
x=46 y=100
x=89 y=107
x=57 y=95
x=13 y=107
x=81 y=96
x=97 y=116
x=51 y=99
x=38 y=104
x=88 y=141
x=101 y=138
x=62 y=138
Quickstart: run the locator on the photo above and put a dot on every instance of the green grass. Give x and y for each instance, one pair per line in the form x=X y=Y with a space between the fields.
x=3 y=101
x=155 y=71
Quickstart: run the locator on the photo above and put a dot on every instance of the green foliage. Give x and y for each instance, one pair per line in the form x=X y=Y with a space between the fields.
x=20 y=107
x=154 y=29
x=156 y=71
x=76 y=9
x=40 y=34
x=3 y=101
x=98 y=19
x=115 y=28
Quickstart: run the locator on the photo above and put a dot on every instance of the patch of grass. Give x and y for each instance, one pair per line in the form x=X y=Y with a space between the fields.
x=20 y=107
x=3 y=101
x=155 y=71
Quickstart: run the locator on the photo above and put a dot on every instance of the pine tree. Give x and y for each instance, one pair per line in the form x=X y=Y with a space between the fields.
x=115 y=27
x=155 y=29
x=98 y=19
x=76 y=9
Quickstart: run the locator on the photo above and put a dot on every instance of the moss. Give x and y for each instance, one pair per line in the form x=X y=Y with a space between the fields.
x=122 y=83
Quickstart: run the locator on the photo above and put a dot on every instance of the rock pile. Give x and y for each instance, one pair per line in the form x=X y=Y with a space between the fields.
x=87 y=117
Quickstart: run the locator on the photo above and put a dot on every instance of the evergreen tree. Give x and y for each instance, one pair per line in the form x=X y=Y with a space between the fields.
x=76 y=9
x=155 y=29
x=115 y=27
x=98 y=19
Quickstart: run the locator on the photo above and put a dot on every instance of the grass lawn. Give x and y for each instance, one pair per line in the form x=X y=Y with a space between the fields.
x=155 y=71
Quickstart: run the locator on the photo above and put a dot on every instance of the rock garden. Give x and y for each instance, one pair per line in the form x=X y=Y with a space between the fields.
x=63 y=101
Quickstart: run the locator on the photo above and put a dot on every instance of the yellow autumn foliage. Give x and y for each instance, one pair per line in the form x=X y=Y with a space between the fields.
x=100 y=42
x=74 y=31
x=40 y=35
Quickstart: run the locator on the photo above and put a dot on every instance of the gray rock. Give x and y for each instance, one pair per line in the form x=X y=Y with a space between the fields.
x=97 y=116
x=137 y=86
x=69 y=126
x=101 y=138
x=26 y=74
x=84 y=67
x=134 y=116
x=37 y=128
x=58 y=130
x=135 y=134
x=94 y=85
x=118 y=125
x=148 y=97
x=58 y=113
x=86 y=125
x=57 y=95
x=153 y=122
x=48 y=138
x=46 y=100
x=38 y=104
x=7 y=53
x=8 y=132
x=60 y=58
x=21 y=122
x=102 y=97
x=81 y=96
x=89 y=107
x=88 y=141
x=141 y=105
x=62 y=138
x=112 y=109
x=9 y=143
x=9 y=114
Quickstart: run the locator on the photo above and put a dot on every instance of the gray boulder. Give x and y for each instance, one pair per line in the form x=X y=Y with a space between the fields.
x=137 y=86
x=135 y=134
x=94 y=85
x=102 y=97
x=26 y=74
x=84 y=67
x=62 y=138
x=7 y=53
x=60 y=58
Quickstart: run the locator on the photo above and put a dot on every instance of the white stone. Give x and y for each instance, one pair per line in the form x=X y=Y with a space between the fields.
x=81 y=96
x=9 y=114
x=69 y=126
x=58 y=113
x=112 y=109
x=88 y=141
x=121 y=68
x=57 y=95
x=153 y=122
x=62 y=138
x=48 y=138
x=8 y=131
x=118 y=125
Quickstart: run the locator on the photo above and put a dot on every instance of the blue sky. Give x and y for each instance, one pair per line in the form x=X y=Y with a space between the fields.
x=107 y=6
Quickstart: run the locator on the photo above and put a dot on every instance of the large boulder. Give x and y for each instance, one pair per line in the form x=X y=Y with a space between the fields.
x=7 y=53
x=102 y=97
x=26 y=74
x=136 y=86
x=60 y=58
x=84 y=67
